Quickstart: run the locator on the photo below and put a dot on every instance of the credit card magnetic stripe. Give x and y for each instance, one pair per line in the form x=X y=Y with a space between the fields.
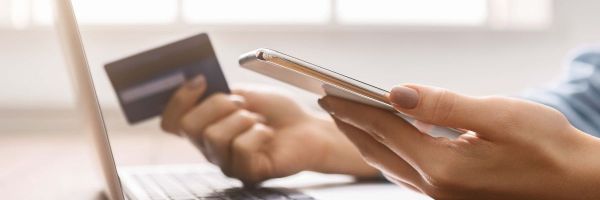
x=152 y=87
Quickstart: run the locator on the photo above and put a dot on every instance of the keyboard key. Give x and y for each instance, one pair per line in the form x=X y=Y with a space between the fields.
x=212 y=198
x=239 y=193
x=183 y=198
x=293 y=194
x=267 y=194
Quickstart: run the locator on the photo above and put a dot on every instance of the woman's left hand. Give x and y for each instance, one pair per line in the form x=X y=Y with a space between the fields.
x=514 y=150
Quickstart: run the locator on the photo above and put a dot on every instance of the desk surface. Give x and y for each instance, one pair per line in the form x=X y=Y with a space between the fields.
x=63 y=165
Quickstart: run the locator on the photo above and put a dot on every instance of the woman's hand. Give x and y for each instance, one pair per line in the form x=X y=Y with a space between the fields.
x=515 y=149
x=255 y=134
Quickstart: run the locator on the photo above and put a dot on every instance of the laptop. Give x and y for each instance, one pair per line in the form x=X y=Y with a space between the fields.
x=180 y=182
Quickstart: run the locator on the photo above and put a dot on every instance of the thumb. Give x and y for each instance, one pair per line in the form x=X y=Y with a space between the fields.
x=442 y=107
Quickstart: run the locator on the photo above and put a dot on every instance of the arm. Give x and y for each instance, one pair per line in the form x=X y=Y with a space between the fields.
x=256 y=134
x=577 y=95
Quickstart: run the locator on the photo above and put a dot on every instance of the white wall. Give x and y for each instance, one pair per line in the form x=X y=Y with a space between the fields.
x=32 y=75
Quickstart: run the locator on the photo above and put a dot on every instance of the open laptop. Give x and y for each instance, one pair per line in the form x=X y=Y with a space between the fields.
x=184 y=182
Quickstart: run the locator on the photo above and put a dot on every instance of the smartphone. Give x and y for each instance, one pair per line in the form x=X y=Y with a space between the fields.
x=323 y=81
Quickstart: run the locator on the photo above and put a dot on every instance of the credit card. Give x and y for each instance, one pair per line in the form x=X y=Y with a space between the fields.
x=145 y=82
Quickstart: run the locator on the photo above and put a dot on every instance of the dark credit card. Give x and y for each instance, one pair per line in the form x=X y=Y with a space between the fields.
x=145 y=82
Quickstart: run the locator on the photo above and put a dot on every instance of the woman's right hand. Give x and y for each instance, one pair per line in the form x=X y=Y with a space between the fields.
x=254 y=135
x=514 y=149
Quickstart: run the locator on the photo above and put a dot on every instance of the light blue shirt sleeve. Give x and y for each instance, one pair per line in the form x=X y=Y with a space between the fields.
x=577 y=95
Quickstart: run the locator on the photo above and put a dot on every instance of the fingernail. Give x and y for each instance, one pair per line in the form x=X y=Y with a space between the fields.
x=404 y=97
x=196 y=82
x=325 y=106
x=237 y=100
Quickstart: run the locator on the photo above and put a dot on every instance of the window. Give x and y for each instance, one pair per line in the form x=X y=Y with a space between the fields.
x=495 y=14
x=421 y=12
x=256 y=11
x=111 y=12
x=520 y=14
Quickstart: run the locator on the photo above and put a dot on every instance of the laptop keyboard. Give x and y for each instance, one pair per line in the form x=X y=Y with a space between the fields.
x=207 y=186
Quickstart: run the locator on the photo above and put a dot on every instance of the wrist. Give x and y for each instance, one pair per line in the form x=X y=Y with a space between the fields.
x=587 y=166
x=580 y=167
x=339 y=155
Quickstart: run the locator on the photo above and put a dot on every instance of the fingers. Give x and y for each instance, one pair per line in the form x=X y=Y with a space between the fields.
x=443 y=107
x=271 y=103
x=250 y=162
x=378 y=155
x=218 y=137
x=208 y=112
x=384 y=126
x=182 y=101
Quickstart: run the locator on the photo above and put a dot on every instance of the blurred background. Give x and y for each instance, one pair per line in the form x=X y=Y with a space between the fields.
x=479 y=47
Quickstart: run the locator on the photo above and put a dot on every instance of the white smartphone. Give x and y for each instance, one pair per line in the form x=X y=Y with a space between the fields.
x=322 y=81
